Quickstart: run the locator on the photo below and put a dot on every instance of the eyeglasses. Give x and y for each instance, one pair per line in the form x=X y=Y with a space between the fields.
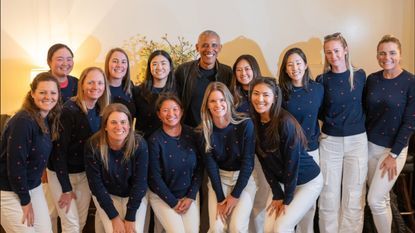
x=246 y=68
x=336 y=35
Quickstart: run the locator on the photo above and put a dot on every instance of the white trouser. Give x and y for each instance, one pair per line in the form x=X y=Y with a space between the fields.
x=173 y=222
x=306 y=225
x=238 y=221
x=305 y=197
x=12 y=213
x=53 y=213
x=256 y=220
x=378 y=195
x=75 y=220
x=343 y=162
x=120 y=204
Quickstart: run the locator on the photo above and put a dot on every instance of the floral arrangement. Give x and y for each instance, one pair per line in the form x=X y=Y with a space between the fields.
x=139 y=49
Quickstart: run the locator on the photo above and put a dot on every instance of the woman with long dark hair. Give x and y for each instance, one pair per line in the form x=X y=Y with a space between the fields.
x=293 y=175
x=302 y=97
x=159 y=79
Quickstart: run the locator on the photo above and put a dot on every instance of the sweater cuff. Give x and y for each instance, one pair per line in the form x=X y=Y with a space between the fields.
x=172 y=203
x=393 y=155
x=396 y=149
x=24 y=199
x=220 y=198
x=112 y=213
x=288 y=199
x=236 y=193
x=130 y=215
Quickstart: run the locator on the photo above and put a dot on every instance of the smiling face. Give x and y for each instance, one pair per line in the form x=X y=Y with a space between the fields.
x=61 y=63
x=389 y=56
x=160 y=67
x=244 y=73
x=118 y=65
x=335 y=54
x=262 y=99
x=295 y=69
x=45 y=96
x=117 y=127
x=217 y=105
x=208 y=47
x=170 y=113
x=93 y=85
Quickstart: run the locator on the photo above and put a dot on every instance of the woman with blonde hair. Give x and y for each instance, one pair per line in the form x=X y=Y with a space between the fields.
x=116 y=166
x=343 y=145
x=26 y=144
x=81 y=117
x=229 y=148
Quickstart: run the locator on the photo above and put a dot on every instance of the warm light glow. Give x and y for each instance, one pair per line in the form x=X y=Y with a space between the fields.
x=34 y=72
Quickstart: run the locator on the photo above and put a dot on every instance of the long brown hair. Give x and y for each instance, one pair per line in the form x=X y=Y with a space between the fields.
x=126 y=80
x=32 y=109
x=277 y=115
x=99 y=141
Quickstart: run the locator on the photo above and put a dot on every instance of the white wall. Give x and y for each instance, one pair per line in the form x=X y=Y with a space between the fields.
x=264 y=28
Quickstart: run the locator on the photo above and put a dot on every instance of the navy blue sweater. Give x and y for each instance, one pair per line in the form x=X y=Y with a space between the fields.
x=243 y=106
x=342 y=112
x=70 y=90
x=305 y=105
x=233 y=150
x=122 y=178
x=68 y=152
x=175 y=165
x=119 y=96
x=24 y=153
x=290 y=165
x=147 y=120
x=390 y=110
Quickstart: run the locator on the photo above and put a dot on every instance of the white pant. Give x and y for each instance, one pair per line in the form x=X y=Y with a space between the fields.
x=256 y=220
x=75 y=220
x=12 y=212
x=305 y=197
x=343 y=162
x=239 y=218
x=53 y=213
x=378 y=195
x=306 y=225
x=172 y=221
x=120 y=204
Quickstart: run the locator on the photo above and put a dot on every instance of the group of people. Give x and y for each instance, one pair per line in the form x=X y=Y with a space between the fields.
x=247 y=147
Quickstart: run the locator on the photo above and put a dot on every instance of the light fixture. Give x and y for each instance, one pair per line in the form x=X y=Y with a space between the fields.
x=36 y=71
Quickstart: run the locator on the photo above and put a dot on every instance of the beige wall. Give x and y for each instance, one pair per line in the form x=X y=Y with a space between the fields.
x=264 y=28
